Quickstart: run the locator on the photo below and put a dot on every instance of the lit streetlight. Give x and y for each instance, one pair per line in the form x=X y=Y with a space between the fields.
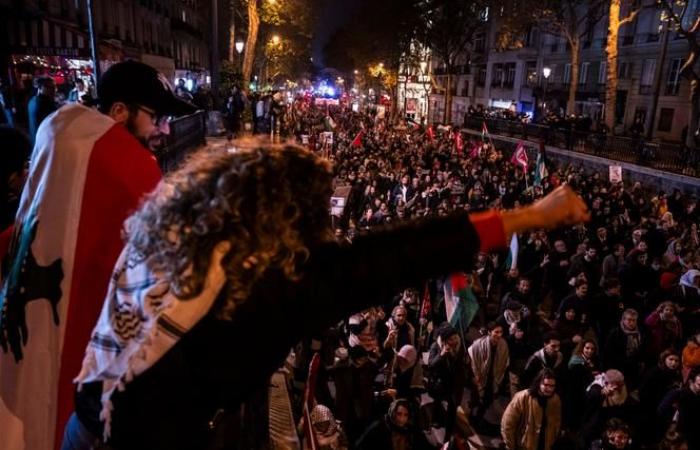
x=275 y=39
x=357 y=71
x=239 y=46
x=546 y=72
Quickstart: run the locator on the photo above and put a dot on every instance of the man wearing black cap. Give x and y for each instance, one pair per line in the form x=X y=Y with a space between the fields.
x=88 y=172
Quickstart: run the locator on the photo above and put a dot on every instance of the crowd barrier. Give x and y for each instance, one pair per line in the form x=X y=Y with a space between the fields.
x=671 y=157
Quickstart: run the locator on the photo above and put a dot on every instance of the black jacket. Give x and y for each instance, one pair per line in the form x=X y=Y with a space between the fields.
x=218 y=364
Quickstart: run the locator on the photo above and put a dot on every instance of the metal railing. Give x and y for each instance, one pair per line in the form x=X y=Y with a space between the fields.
x=186 y=134
x=671 y=157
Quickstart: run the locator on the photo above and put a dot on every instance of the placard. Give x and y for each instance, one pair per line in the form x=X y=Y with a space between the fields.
x=615 y=174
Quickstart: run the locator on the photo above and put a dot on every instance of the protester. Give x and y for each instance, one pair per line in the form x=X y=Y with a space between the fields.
x=89 y=171
x=41 y=104
x=294 y=253
x=532 y=419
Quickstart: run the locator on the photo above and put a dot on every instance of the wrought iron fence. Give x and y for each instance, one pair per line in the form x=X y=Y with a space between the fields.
x=670 y=157
x=186 y=134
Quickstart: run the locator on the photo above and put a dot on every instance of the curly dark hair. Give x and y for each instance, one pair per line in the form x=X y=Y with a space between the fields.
x=270 y=202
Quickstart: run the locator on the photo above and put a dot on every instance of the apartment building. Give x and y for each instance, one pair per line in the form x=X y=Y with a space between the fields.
x=514 y=79
x=50 y=37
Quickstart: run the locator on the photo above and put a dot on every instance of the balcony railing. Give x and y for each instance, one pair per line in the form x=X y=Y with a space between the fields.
x=186 y=134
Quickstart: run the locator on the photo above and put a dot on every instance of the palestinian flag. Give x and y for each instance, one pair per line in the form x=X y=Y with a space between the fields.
x=461 y=305
x=328 y=123
x=87 y=175
x=511 y=261
x=357 y=142
x=541 y=172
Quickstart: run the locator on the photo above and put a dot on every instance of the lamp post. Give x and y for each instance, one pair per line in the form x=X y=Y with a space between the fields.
x=546 y=72
x=239 y=49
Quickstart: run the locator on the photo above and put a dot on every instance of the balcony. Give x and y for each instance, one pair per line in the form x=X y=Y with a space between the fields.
x=645 y=90
x=652 y=37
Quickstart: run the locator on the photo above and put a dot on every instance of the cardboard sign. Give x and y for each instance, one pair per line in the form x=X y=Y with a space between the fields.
x=615 y=174
x=327 y=138
x=305 y=139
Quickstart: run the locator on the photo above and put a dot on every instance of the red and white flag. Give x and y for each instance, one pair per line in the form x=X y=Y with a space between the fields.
x=519 y=157
x=357 y=142
x=459 y=142
x=87 y=175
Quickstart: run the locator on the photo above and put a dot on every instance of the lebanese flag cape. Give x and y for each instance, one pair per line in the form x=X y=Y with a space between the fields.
x=357 y=142
x=87 y=174
x=461 y=305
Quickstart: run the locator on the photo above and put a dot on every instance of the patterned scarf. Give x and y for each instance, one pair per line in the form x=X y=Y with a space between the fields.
x=141 y=320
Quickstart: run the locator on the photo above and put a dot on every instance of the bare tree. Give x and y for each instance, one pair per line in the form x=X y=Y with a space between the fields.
x=685 y=21
x=614 y=25
x=571 y=20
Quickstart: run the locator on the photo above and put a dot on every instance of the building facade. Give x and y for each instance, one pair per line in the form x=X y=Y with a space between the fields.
x=51 y=38
x=513 y=79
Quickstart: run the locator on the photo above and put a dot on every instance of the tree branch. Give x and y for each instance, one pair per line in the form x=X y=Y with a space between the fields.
x=631 y=17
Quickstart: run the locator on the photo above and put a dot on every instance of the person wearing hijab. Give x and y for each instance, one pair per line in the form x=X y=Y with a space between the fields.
x=395 y=431
x=688 y=298
x=327 y=432
x=664 y=330
x=691 y=355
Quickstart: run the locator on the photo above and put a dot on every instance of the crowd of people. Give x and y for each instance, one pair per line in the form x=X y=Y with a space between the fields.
x=590 y=340
x=584 y=337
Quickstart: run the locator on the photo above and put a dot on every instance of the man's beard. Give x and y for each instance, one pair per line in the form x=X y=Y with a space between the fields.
x=131 y=128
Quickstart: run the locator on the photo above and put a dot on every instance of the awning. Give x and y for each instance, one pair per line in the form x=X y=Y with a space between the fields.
x=43 y=37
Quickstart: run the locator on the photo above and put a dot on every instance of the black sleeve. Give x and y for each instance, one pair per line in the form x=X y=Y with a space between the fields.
x=341 y=280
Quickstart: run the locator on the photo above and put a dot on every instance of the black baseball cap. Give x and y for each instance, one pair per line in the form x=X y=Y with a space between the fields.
x=134 y=82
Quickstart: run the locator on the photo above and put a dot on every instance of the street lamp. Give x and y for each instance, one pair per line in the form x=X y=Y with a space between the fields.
x=239 y=46
x=275 y=39
x=546 y=72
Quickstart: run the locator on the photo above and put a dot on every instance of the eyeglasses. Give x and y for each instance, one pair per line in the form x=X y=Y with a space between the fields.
x=150 y=113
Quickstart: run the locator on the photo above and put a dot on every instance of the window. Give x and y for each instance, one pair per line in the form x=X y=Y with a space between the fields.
x=481 y=77
x=497 y=77
x=665 y=119
x=602 y=72
x=567 y=74
x=624 y=70
x=647 y=78
x=673 y=82
x=531 y=73
x=509 y=80
x=479 y=43
x=583 y=73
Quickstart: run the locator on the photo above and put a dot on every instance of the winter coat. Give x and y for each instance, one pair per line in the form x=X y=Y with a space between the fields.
x=522 y=419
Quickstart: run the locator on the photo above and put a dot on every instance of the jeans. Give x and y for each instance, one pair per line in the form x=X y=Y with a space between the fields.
x=77 y=437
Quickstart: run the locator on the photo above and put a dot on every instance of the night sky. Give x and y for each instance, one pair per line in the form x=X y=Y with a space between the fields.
x=335 y=14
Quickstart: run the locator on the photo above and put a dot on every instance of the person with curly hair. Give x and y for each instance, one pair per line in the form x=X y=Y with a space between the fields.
x=229 y=263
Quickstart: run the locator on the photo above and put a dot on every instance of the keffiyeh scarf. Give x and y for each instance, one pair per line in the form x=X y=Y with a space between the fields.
x=140 y=321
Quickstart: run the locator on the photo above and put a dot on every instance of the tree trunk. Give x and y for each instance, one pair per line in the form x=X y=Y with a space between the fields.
x=251 y=41
x=232 y=32
x=447 y=114
x=611 y=64
x=694 y=112
x=575 y=56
